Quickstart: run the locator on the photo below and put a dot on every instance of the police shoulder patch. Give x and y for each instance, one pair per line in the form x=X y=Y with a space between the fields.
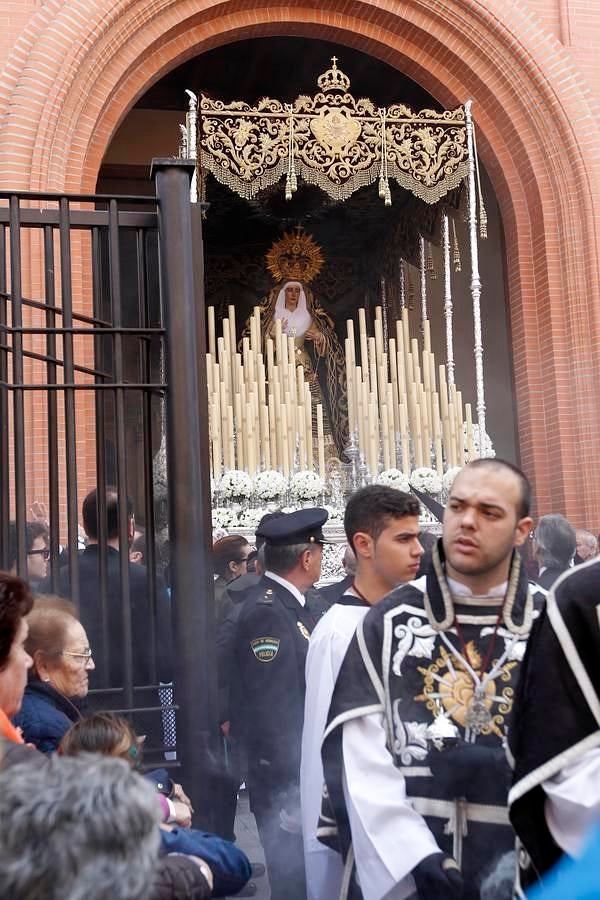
x=265 y=649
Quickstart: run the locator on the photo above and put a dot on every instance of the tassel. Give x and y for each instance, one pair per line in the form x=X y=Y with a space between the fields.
x=456 y=262
x=483 y=219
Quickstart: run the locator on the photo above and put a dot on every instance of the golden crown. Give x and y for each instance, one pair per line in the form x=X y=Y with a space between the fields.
x=333 y=79
x=295 y=257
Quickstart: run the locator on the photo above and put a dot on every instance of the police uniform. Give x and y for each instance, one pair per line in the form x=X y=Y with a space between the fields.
x=268 y=686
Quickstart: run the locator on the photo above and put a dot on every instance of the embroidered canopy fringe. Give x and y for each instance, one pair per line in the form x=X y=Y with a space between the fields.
x=334 y=141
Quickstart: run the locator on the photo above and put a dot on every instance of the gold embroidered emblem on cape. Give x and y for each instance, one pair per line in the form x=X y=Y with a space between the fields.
x=447 y=681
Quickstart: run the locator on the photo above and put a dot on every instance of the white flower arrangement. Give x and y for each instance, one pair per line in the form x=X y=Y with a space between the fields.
x=394 y=478
x=449 y=476
x=269 y=484
x=483 y=449
x=222 y=517
x=426 y=479
x=236 y=484
x=249 y=518
x=336 y=516
x=306 y=485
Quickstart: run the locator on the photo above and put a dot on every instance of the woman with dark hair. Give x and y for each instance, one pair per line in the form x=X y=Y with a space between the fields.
x=111 y=735
x=15 y=603
x=230 y=560
x=58 y=679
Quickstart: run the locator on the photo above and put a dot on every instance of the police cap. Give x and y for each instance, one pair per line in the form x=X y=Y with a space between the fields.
x=305 y=526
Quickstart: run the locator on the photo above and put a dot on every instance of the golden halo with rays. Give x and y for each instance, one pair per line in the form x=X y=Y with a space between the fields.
x=295 y=257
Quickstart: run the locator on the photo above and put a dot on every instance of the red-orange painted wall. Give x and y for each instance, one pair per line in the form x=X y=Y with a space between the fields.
x=71 y=69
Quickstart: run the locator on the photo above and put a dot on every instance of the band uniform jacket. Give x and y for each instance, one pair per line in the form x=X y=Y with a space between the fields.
x=267 y=682
x=404 y=664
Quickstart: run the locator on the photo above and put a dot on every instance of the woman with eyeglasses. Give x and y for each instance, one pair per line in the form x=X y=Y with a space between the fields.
x=58 y=679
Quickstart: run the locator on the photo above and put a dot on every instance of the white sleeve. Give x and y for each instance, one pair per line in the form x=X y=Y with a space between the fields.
x=573 y=801
x=388 y=836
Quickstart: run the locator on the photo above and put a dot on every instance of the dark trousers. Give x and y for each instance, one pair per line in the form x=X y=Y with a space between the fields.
x=284 y=853
x=226 y=783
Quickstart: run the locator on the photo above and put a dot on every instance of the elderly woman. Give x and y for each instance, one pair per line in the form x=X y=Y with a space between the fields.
x=15 y=604
x=58 y=679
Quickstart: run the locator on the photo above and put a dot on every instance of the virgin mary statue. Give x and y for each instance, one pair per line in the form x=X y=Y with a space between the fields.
x=295 y=260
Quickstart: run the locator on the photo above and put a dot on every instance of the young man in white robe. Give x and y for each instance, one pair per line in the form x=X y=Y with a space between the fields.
x=382 y=527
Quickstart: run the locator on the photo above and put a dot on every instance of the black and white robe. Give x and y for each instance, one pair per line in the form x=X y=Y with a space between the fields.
x=554 y=735
x=383 y=809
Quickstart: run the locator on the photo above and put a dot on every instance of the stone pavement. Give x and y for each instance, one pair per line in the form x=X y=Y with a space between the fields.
x=247 y=840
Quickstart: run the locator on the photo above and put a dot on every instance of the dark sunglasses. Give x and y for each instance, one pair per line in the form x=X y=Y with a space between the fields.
x=44 y=552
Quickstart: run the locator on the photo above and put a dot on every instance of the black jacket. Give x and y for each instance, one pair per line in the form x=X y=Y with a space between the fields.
x=45 y=716
x=265 y=654
x=331 y=593
x=109 y=654
x=549 y=576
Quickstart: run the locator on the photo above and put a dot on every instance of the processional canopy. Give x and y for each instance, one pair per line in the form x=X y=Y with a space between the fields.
x=334 y=141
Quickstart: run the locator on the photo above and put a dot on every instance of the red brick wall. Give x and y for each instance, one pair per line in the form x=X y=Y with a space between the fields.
x=71 y=70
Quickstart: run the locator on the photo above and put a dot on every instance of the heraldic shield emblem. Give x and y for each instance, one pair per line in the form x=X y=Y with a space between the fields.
x=265 y=649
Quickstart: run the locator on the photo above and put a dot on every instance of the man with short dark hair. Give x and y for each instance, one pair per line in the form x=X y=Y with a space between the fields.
x=382 y=528
x=36 y=548
x=271 y=640
x=100 y=617
x=413 y=752
x=554 y=546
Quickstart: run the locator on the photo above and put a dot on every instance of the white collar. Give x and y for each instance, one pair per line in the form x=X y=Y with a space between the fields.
x=288 y=586
x=458 y=589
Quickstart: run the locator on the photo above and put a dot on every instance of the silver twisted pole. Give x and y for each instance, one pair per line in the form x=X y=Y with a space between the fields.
x=423 y=274
x=475 y=280
x=191 y=120
x=448 y=308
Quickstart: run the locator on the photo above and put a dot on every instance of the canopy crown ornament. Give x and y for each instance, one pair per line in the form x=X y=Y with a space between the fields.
x=295 y=257
x=333 y=79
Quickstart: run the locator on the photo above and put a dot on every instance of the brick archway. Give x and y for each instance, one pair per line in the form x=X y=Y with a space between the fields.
x=77 y=69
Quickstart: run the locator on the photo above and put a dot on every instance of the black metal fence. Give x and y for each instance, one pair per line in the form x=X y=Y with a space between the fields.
x=101 y=358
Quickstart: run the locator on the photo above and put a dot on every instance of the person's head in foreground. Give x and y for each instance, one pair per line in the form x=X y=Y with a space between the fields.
x=486 y=518
x=382 y=527
x=76 y=829
x=105 y=733
x=555 y=542
x=59 y=646
x=15 y=603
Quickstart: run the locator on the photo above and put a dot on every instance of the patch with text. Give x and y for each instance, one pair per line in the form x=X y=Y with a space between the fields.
x=265 y=649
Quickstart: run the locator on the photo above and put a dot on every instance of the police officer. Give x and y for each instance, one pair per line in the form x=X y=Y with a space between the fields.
x=272 y=632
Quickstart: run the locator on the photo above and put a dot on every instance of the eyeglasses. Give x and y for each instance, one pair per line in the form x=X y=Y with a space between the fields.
x=83 y=656
x=44 y=552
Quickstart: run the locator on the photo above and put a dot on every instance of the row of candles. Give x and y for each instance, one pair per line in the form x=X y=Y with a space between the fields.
x=263 y=415
x=261 y=409
x=399 y=391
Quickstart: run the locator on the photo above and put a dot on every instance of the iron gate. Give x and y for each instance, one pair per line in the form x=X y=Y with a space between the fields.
x=109 y=330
